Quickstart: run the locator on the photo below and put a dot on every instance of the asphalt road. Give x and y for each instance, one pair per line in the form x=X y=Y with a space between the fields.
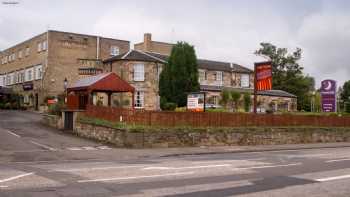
x=39 y=161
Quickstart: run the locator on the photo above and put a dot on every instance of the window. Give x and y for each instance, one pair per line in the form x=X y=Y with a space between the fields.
x=20 y=54
x=245 y=80
x=39 y=47
x=139 y=72
x=8 y=79
x=18 y=74
x=139 y=99
x=29 y=74
x=202 y=75
x=44 y=45
x=1 y=80
x=38 y=72
x=13 y=56
x=218 y=76
x=22 y=78
x=26 y=99
x=114 y=50
x=27 y=51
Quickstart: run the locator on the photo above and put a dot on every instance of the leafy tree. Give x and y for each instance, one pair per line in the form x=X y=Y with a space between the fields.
x=180 y=75
x=288 y=73
x=345 y=95
x=235 y=96
x=247 y=102
x=225 y=97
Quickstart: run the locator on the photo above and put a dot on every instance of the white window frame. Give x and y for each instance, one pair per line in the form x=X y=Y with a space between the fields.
x=114 y=50
x=29 y=74
x=139 y=72
x=14 y=56
x=20 y=54
x=1 y=80
x=245 y=81
x=44 y=45
x=202 y=76
x=38 y=72
x=39 y=46
x=22 y=76
x=139 y=99
x=219 y=76
x=27 y=51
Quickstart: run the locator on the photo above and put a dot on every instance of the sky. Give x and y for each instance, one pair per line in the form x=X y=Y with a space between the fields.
x=224 y=30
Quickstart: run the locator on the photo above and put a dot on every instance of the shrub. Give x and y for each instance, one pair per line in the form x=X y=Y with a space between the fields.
x=169 y=106
x=55 y=109
x=247 y=102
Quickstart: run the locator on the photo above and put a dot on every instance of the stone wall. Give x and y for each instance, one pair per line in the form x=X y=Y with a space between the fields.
x=52 y=121
x=184 y=137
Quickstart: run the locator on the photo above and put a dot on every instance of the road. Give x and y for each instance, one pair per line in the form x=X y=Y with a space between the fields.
x=39 y=161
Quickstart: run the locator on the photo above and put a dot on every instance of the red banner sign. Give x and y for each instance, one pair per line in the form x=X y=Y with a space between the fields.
x=263 y=76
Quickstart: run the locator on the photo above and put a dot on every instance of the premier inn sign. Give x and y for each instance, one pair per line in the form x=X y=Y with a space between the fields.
x=27 y=86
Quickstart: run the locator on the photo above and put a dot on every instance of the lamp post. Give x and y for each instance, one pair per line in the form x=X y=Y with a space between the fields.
x=65 y=85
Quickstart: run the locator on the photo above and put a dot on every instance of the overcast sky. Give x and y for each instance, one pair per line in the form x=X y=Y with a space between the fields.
x=225 y=30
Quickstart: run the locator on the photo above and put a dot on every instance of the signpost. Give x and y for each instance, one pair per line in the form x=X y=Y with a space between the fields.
x=196 y=102
x=329 y=95
x=262 y=79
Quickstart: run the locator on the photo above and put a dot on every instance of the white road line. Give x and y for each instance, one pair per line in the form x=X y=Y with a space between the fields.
x=4 y=186
x=187 y=167
x=92 y=169
x=74 y=148
x=333 y=178
x=12 y=133
x=16 y=177
x=104 y=148
x=135 y=177
x=88 y=148
x=271 y=166
x=43 y=146
x=336 y=160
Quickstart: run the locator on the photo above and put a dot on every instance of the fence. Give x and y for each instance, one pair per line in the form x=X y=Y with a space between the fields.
x=213 y=119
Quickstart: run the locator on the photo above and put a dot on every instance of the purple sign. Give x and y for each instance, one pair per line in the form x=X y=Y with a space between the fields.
x=329 y=95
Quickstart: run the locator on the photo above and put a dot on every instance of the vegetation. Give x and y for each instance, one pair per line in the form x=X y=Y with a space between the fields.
x=247 y=102
x=230 y=97
x=179 y=76
x=11 y=102
x=56 y=108
x=288 y=74
x=345 y=96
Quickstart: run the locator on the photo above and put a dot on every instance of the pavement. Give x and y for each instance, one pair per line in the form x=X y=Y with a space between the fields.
x=39 y=161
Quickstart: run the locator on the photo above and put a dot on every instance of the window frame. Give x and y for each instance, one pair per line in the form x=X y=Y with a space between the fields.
x=139 y=100
x=139 y=75
x=247 y=82
x=114 y=50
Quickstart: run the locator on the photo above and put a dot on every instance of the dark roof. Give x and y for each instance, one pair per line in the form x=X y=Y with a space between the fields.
x=135 y=55
x=278 y=93
x=107 y=82
x=211 y=65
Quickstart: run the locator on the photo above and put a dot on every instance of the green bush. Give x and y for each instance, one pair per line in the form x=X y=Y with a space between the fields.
x=169 y=106
x=56 y=109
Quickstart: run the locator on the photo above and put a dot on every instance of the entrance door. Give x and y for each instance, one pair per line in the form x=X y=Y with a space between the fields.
x=68 y=120
x=36 y=102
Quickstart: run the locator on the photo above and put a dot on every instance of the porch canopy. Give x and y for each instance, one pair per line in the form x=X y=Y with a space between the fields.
x=81 y=93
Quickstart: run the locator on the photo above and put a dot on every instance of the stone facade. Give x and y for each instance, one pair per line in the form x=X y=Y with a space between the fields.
x=57 y=53
x=149 y=86
x=182 y=137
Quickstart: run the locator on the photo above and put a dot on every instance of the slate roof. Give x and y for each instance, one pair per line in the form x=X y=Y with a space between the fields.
x=211 y=65
x=88 y=81
x=135 y=55
x=278 y=93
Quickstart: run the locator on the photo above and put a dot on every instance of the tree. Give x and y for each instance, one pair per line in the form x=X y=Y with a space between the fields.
x=179 y=76
x=288 y=73
x=247 y=102
x=235 y=96
x=345 y=95
x=225 y=97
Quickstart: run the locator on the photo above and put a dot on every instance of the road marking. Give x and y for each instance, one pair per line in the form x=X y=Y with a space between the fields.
x=4 y=186
x=188 y=167
x=336 y=160
x=333 y=178
x=43 y=146
x=135 y=177
x=16 y=177
x=74 y=148
x=104 y=148
x=271 y=166
x=12 y=133
x=88 y=148
x=92 y=169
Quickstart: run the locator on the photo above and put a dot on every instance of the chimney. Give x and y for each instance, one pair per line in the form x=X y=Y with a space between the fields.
x=147 y=40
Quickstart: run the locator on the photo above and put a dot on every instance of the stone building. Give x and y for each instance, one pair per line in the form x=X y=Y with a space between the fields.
x=38 y=67
x=141 y=68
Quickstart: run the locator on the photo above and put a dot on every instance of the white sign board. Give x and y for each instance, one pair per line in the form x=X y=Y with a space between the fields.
x=195 y=102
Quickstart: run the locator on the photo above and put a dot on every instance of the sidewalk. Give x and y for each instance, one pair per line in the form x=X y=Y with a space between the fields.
x=126 y=154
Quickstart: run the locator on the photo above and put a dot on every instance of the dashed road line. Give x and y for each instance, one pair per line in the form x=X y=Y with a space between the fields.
x=135 y=177
x=16 y=177
x=93 y=168
x=333 y=178
x=12 y=133
x=87 y=148
x=270 y=166
x=187 y=167
x=43 y=146
x=337 y=160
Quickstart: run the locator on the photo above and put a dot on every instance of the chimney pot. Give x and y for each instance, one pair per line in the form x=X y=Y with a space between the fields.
x=147 y=41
